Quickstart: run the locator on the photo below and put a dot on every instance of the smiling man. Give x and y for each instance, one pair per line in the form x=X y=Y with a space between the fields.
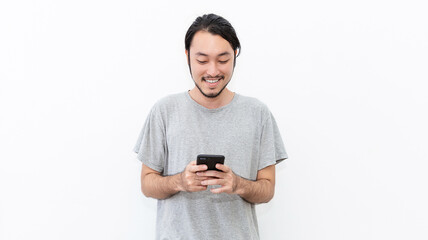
x=212 y=66
x=193 y=202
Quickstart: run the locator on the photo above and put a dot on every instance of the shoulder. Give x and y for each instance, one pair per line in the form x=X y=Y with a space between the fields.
x=254 y=108
x=169 y=102
x=253 y=104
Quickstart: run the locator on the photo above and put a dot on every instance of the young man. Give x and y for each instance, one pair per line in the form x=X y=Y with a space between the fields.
x=193 y=202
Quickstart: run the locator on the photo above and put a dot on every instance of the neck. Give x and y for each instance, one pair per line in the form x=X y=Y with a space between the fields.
x=221 y=100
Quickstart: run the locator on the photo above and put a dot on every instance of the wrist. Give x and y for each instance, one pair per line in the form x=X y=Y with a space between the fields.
x=239 y=186
x=178 y=183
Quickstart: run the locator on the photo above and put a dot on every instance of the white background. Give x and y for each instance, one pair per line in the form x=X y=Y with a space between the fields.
x=345 y=80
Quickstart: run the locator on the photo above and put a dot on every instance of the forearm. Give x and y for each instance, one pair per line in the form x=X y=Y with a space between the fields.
x=259 y=191
x=160 y=187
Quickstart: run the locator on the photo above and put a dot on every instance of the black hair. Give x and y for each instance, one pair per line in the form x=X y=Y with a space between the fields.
x=216 y=25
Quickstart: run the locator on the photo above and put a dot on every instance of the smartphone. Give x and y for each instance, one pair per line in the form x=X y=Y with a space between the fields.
x=210 y=160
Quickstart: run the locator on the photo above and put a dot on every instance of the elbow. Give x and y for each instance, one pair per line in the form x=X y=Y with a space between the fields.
x=267 y=198
x=144 y=191
x=147 y=193
x=144 y=188
x=270 y=195
x=150 y=194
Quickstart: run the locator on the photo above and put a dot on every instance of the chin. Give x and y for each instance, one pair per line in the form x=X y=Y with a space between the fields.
x=209 y=93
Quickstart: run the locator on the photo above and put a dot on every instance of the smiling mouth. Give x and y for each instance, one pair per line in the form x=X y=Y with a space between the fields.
x=212 y=80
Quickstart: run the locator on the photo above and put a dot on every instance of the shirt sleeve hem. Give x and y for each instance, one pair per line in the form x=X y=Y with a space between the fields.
x=266 y=164
x=151 y=165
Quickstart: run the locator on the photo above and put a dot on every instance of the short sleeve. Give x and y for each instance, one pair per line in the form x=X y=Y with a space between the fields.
x=151 y=144
x=272 y=150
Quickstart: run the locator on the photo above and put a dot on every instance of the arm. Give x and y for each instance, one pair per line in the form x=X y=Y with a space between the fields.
x=154 y=185
x=259 y=191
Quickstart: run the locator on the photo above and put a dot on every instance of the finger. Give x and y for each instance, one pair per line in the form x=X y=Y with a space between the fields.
x=200 y=179
x=219 y=190
x=204 y=173
x=212 y=173
x=198 y=168
x=199 y=184
x=198 y=188
x=213 y=182
x=204 y=178
x=222 y=167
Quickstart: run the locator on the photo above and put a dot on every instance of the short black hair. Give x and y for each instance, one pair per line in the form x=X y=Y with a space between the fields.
x=216 y=25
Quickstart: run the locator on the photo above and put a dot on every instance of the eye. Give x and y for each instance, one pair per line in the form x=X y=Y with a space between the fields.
x=201 y=62
x=223 y=62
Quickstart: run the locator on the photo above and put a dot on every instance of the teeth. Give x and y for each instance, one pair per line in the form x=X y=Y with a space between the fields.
x=211 y=81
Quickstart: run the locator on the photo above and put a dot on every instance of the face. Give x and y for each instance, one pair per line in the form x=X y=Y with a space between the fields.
x=211 y=63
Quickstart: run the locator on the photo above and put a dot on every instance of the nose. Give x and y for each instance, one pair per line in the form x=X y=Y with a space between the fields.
x=213 y=70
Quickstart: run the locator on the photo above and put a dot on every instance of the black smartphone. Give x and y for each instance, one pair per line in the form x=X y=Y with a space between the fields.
x=210 y=160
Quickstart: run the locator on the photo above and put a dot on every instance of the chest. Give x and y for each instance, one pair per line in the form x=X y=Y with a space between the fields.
x=236 y=136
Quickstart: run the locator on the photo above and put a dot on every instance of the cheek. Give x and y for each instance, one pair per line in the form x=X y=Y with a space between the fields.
x=227 y=69
x=197 y=70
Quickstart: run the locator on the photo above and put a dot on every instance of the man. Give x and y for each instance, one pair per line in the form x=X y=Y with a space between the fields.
x=193 y=202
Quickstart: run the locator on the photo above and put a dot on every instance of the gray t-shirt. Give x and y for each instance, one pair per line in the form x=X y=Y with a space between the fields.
x=177 y=130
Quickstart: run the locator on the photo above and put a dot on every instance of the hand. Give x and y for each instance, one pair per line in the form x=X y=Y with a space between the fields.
x=227 y=179
x=190 y=181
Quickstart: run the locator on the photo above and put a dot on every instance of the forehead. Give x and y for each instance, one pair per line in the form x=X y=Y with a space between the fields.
x=209 y=44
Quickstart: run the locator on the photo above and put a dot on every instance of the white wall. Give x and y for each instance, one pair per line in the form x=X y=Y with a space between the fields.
x=346 y=81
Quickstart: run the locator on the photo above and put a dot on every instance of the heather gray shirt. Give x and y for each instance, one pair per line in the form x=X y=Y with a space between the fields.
x=177 y=130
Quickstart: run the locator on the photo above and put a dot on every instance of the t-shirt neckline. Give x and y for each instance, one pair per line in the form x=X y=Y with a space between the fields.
x=202 y=108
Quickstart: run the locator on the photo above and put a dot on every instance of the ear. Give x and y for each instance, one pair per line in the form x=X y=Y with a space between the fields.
x=234 y=59
x=187 y=56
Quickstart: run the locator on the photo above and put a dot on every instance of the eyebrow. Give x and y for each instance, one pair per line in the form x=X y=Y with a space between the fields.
x=206 y=55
